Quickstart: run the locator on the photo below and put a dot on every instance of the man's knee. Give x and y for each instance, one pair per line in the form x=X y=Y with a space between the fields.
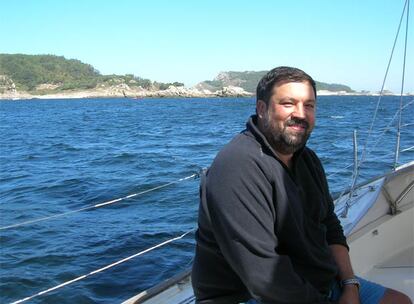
x=392 y=296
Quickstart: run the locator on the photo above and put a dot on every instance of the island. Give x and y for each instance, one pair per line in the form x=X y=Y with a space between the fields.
x=53 y=77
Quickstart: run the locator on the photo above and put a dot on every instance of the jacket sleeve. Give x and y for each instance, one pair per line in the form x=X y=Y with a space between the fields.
x=334 y=233
x=240 y=202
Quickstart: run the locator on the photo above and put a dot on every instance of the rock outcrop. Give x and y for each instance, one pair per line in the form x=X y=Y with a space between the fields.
x=7 y=85
x=8 y=91
x=232 y=91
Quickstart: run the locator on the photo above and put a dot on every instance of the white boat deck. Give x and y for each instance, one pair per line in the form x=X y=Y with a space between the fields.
x=381 y=244
x=396 y=272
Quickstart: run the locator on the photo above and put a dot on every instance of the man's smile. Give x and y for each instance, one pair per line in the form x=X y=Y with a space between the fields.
x=297 y=125
x=300 y=128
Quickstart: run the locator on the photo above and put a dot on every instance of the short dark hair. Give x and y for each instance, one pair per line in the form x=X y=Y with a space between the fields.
x=278 y=75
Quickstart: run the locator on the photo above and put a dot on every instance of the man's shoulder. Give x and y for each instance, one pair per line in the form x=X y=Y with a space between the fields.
x=242 y=154
x=242 y=146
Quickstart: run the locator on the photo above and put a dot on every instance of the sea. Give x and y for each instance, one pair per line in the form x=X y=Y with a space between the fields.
x=59 y=156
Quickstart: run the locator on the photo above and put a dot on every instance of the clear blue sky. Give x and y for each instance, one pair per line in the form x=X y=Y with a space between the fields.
x=335 y=41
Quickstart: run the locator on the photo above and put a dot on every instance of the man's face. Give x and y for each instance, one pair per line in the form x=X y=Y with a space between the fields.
x=290 y=116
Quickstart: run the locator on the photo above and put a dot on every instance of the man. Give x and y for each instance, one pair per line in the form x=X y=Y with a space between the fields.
x=267 y=228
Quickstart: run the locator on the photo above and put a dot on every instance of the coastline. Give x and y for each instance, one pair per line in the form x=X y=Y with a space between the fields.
x=126 y=92
x=171 y=92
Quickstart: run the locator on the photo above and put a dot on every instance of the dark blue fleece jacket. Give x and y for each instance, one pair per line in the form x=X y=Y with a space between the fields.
x=264 y=230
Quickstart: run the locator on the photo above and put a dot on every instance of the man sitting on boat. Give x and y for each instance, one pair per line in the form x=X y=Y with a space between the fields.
x=267 y=228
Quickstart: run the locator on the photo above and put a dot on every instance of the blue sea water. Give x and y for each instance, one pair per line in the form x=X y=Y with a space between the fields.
x=62 y=155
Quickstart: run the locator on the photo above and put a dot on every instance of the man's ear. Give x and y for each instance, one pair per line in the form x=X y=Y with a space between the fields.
x=261 y=108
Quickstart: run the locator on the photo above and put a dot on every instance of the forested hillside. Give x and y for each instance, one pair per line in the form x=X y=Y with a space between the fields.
x=56 y=73
x=248 y=80
x=43 y=74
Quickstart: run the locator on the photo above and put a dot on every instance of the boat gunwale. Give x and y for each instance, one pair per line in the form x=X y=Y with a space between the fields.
x=145 y=295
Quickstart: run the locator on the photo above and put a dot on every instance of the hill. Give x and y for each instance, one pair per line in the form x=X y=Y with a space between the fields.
x=48 y=73
x=248 y=81
x=50 y=76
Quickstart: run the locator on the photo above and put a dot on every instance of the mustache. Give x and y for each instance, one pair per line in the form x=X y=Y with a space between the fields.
x=297 y=122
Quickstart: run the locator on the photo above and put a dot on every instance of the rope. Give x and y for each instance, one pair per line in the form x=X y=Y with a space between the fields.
x=102 y=269
x=195 y=175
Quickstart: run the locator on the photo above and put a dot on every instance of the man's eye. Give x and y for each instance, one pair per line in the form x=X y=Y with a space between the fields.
x=310 y=106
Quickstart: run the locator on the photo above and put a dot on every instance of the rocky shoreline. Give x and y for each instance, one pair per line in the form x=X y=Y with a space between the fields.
x=127 y=92
x=124 y=90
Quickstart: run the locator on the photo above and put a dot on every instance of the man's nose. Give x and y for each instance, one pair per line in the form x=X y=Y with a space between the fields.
x=299 y=111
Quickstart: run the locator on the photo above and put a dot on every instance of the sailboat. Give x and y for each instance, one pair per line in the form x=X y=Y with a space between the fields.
x=377 y=217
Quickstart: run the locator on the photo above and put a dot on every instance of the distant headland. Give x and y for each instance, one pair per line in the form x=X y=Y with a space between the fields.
x=48 y=76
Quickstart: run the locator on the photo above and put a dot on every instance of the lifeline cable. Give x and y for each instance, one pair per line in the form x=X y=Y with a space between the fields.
x=384 y=130
x=351 y=164
x=389 y=127
x=102 y=269
x=195 y=175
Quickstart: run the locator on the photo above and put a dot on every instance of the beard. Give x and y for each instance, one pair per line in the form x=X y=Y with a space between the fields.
x=285 y=140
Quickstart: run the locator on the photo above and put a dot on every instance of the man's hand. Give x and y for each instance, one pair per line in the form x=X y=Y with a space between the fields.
x=350 y=295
